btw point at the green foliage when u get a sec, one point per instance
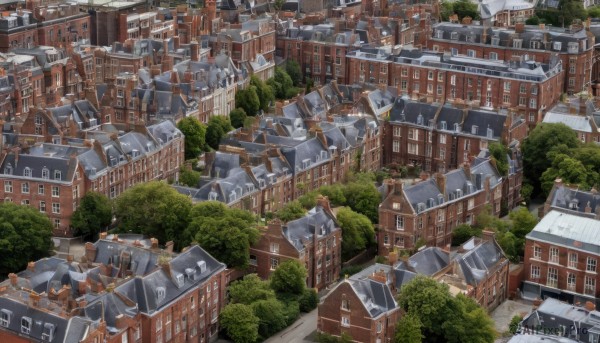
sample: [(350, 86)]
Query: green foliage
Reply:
[(154, 209), (282, 85), (499, 152), (335, 194), (465, 8), (323, 337), (513, 327), (364, 198), (249, 290), (291, 311), (239, 323), (264, 92), (510, 245), (511, 234), (526, 191), (277, 4), (408, 330), (190, 178), (25, 235), (532, 20), (308, 200), (291, 211), (292, 68), (271, 315), (357, 232), (309, 85), (571, 10), (380, 259), (195, 136), (93, 214), (570, 170), (308, 300), (225, 233), (350, 270), (463, 233), (543, 141), (218, 126), (248, 100), (522, 222), (594, 12), (443, 317), (289, 277), (238, 117)]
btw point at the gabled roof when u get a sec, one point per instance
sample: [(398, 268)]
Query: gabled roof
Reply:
[(574, 201), (316, 222), (479, 260)]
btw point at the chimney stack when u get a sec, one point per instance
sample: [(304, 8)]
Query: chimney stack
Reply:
[(440, 179), (488, 235), (520, 27), (392, 258), (31, 266), (169, 246), (13, 279), (379, 276), (103, 235), (154, 243), (323, 201), (588, 208)]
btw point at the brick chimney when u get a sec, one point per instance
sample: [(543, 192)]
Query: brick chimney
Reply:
[(169, 246), (424, 176), (588, 208), (590, 306), (103, 235), (34, 299), (440, 179), (323, 201), (31, 266), (467, 169), (175, 42), (70, 259), (90, 252), (195, 50), (488, 235), (154, 243), (520, 27), (392, 258), (379, 276), (115, 238), (398, 186), (14, 279)]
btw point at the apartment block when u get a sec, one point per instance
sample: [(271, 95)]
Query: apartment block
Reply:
[(314, 240)]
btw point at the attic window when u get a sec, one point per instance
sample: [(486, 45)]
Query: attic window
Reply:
[(8, 169), (5, 316), (48, 333), (440, 199), (57, 175), (574, 204), (420, 119), (459, 193), (474, 129), (323, 154), (27, 172), (420, 207), (26, 325), (557, 46), (490, 133), (396, 206), (456, 127), (160, 294), (454, 36), (443, 125), (180, 280)]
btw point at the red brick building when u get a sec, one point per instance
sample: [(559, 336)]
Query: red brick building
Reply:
[(529, 88), (561, 258), (314, 240), (429, 210), (245, 41), (574, 46)]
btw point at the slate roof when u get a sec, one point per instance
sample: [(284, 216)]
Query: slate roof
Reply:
[(53, 159), (141, 260), (567, 230), (316, 221), (479, 261), (187, 270), (375, 296), (574, 201), (305, 155), (575, 122)]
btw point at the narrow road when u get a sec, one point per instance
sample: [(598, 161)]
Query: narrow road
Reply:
[(297, 332)]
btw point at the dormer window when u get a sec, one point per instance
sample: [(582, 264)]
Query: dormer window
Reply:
[(5, 317), (57, 175), (323, 154), (27, 172), (440, 199), (26, 325), (456, 127), (420, 119), (420, 207), (474, 129), (430, 203), (557, 46), (180, 280), (48, 333), (517, 43), (160, 294), (490, 133), (443, 125), (454, 36), (8, 170), (574, 204), (459, 193), (45, 173), (495, 41)]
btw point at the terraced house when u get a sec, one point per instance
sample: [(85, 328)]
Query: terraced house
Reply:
[(429, 210)]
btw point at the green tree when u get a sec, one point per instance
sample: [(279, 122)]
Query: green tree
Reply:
[(291, 211), (500, 153), (526, 191), (238, 117), (264, 92), (188, 177), (465, 8), (357, 232), (463, 233), (471, 323), (308, 200), (282, 84), (309, 300), (568, 169), (289, 277), (594, 12), (335, 194), (271, 315), (292, 68), (239, 323), (408, 330), (154, 209), (522, 222), (533, 21), (249, 290), (225, 233), (510, 245), (309, 85), (515, 322), (248, 100), (572, 10), (364, 198), (545, 139), (93, 214), (218, 126), (195, 136), (25, 235)]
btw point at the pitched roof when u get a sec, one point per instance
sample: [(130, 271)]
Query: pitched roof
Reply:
[(572, 231)]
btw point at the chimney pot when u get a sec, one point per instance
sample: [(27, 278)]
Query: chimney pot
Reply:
[(13, 279), (31, 266)]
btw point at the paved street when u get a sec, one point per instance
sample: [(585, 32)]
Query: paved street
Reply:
[(297, 332)]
